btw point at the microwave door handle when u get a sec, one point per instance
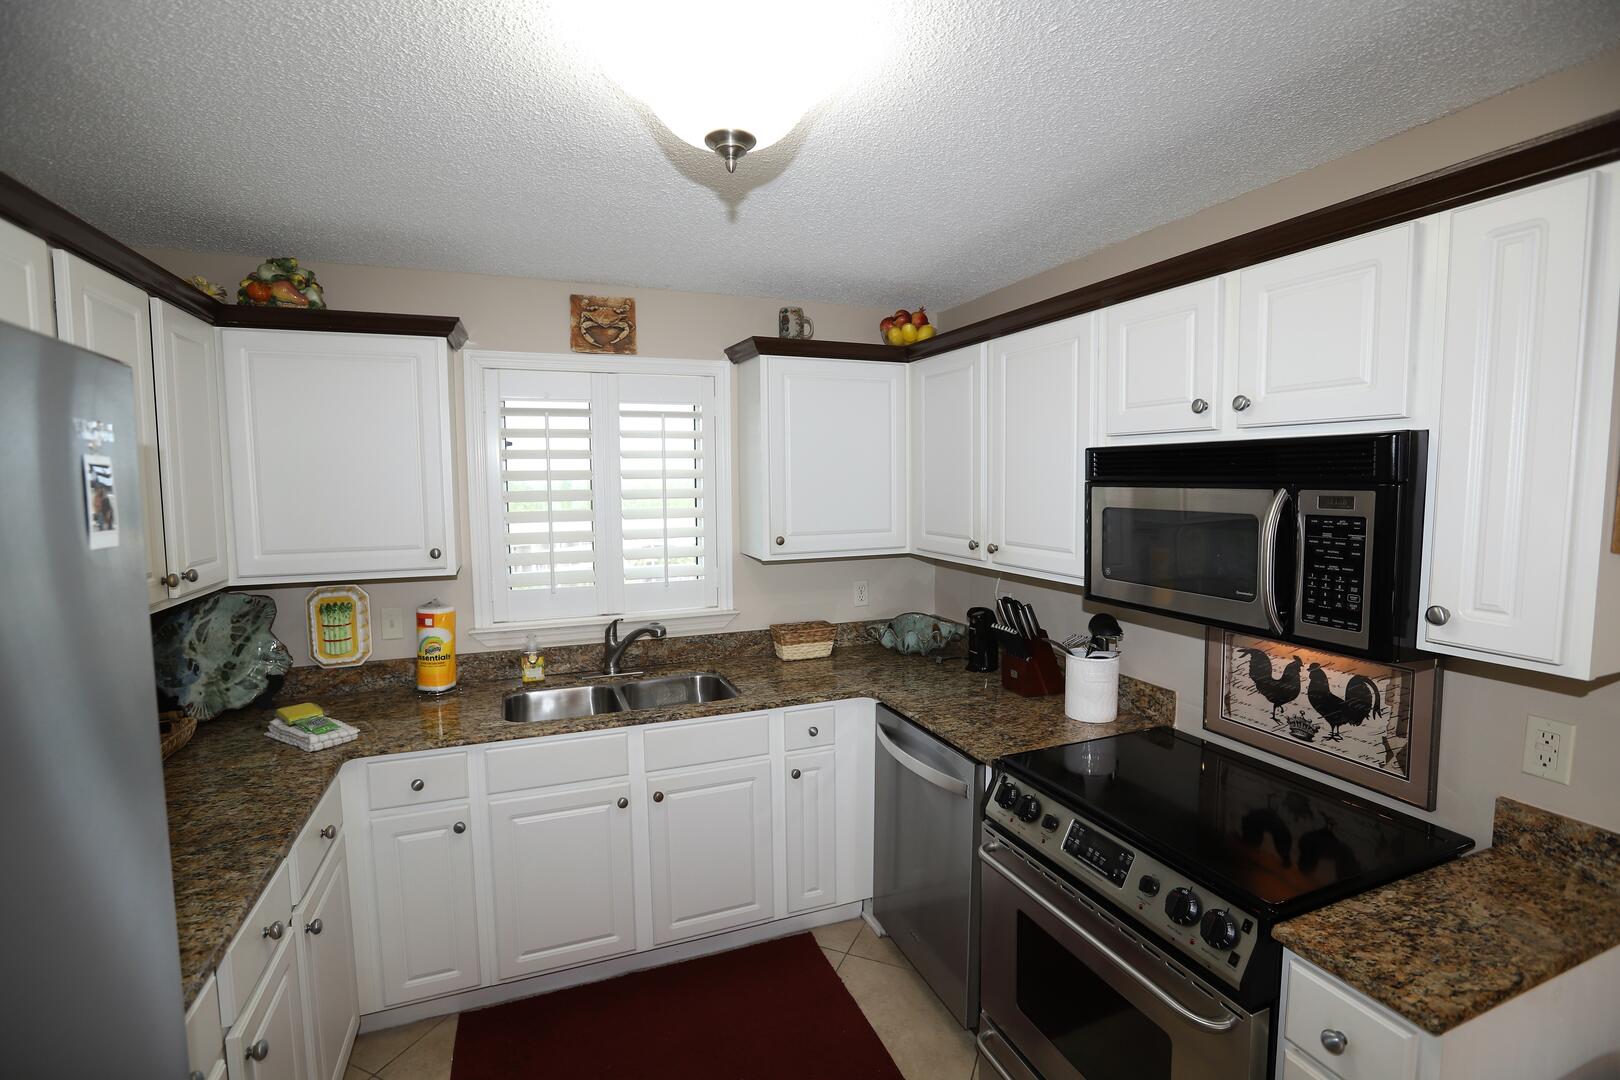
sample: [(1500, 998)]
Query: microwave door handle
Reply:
[(1269, 530)]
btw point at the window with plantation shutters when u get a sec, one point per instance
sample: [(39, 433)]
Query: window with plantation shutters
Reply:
[(600, 494)]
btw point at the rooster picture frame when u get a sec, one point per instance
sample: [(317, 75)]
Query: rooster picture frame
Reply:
[(1373, 724)]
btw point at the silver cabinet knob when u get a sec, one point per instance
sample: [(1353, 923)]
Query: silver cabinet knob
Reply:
[(1241, 402), (459, 827), (623, 802), (418, 784), (814, 732), (658, 796), (314, 926), (257, 1051), (780, 541), (273, 931), (434, 553), (190, 575), (795, 774), (1200, 406), (1437, 615), (993, 548), (329, 832), (973, 545), (196, 1074), (1334, 1042), (171, 580)]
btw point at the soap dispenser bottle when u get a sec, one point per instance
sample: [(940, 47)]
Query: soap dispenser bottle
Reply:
[(531, 663)]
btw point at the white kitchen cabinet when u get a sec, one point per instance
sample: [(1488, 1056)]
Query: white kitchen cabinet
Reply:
[(710, 838), (107, 315), (325, 935), (823, 457), (25, 280), (1327, 334), (191, 467), (1160, 361), (1042, 419), (811, 817), (1519, 570), (948, 443), (205, 1035), (268, 1040), (563, 874), (426, 903), (339, 456)]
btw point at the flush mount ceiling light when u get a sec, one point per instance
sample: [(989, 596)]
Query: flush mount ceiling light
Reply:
[(731, 76)]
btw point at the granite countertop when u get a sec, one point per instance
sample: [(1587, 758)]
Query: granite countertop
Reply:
[(1447, 945), (237, 799)]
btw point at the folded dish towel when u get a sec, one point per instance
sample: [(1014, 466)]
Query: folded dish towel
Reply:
[(294, 735)]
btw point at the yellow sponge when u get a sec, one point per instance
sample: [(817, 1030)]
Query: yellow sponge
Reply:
[(292, 714)]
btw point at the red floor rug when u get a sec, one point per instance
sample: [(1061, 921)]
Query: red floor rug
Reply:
[(775, 1010)]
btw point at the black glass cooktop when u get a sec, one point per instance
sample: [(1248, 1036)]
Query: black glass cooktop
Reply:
[(1258, 834)]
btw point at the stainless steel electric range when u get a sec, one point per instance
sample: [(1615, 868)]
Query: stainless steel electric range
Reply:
[(1129, 889)]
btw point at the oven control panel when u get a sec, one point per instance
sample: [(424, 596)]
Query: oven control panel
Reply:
[(1205, 928)]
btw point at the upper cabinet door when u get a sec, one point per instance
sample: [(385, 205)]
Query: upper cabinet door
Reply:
[(1327, 335), (947, 454), (190, 449), (107, 315), (25, 280), (339, 455), (1509, 443), (1160, 361), (837, 448), (1041, 422)]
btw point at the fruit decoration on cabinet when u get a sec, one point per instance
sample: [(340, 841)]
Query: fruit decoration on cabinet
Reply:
[(906, 327)]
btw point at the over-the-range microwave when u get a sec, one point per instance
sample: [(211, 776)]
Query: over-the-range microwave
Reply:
[(1315, 541)]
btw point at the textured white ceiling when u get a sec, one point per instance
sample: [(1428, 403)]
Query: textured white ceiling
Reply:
[(998, 139)]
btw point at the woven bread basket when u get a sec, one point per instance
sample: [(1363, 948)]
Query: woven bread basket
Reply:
[(803, 640), (175, 729)]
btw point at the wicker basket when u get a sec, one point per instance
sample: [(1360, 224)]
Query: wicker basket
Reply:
[(803, 640), (176, 729)]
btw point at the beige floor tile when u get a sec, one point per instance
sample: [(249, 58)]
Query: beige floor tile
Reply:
[(919, 1034), (868, 945), (352, 1073), (833, 956), (429, 1059), (838, 936), (374, 1050)]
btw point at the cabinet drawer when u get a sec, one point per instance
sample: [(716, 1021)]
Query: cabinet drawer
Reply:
[(262, 931), (320, 833), (1297, 1065), (701, 742), (416, 780), (816, 725), (548, 762), (205, 1034), (1376, 1047)]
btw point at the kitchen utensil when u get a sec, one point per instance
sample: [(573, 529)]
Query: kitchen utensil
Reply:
[(1034, 621)]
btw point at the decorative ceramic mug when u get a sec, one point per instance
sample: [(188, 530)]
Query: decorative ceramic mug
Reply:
[(792, 322)]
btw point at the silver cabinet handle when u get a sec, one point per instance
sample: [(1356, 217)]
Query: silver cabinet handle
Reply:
[(314, 926), (780, 541), (973, 545), (1200, 406), (1437, 615), (273, 931), (257, 1051), (329, 832), (190, 575), (434, 553), (795, 774), (942, 780), (993, 548), (623, 802), (658, 796), (1241, 402), (459, 827), (417, 784), (1334, 1042), (171, 580), (814, 732)]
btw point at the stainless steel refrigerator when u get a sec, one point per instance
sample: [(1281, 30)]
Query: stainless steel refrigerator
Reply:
[(91, 973)]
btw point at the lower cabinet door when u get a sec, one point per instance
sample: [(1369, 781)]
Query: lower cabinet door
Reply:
[(331, 998), (427, 918), (710, 832), (563, 875), (1296, 1065), (267, 1040), (811, 801)]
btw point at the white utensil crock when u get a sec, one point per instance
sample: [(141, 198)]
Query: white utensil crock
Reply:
[(1092, 688)]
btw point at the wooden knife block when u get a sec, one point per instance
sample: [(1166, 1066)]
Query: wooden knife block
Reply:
[(1038, 676)]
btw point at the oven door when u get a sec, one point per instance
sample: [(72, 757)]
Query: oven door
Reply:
[(1079, 996), (1201, 553)]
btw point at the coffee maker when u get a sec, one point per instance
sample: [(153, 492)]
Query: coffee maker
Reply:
[(982, 654)]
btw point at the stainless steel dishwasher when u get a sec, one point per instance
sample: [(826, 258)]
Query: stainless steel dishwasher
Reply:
[(926, 875)]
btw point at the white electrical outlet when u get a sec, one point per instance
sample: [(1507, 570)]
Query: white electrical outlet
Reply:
[(393, 623), (1549, 748), (862, 597)]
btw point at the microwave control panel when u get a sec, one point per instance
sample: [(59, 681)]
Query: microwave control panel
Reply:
[(1335, 554)]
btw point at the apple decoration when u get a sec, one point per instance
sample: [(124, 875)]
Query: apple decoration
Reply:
[(906, 327)]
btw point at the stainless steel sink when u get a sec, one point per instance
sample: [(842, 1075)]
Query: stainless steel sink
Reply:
[(571, 702), (676, 690)]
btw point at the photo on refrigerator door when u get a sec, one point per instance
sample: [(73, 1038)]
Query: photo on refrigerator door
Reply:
[(100, 501)]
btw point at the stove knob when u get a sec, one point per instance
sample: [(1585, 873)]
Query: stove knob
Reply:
[(1183, 906), (1149, 885), (1007, 794), (1219, 929), (1029, 808)]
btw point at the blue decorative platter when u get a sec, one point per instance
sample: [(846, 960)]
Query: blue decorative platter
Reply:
[(916, 633), (219, 653)]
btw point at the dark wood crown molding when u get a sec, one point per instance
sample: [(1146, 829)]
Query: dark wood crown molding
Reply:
[(58, 227), (750, 347)]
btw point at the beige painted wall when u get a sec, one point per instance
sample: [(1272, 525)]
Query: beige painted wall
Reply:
[(532, 315), (1484, 707)]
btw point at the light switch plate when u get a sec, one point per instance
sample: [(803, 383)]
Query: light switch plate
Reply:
[(1549, 748), (393, 624)]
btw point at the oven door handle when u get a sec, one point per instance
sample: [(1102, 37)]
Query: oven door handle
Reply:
[(1269, 531), (1225, 1024), (941, 780)]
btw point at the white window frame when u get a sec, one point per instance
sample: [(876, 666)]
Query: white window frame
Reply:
[(482, 457)]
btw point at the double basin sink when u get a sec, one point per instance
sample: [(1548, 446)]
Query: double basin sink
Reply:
[(572, 702)]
